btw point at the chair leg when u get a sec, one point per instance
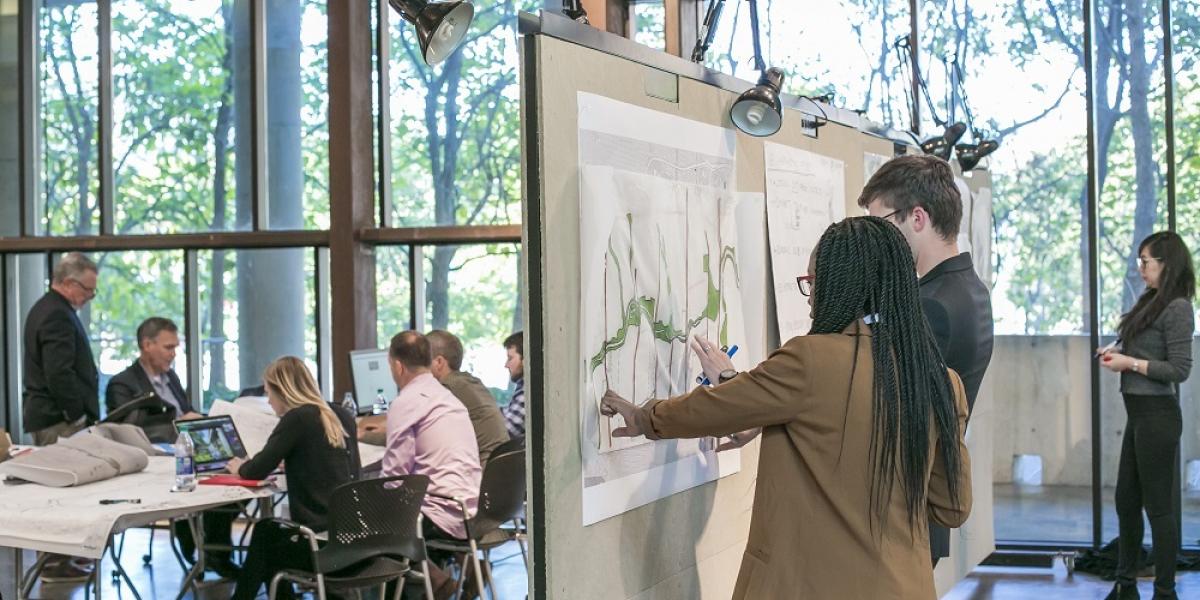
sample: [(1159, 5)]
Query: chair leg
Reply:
[(428, 585), (320, 587), (274, 586), (399, 589), (478, 571), (487, 573)]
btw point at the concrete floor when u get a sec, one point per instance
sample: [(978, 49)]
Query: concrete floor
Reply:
[(1059, 513), (1006, 583), (160, 580)]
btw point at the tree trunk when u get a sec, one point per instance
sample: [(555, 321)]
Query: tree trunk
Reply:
[(442, 104), (1145, 212), (216, 296)]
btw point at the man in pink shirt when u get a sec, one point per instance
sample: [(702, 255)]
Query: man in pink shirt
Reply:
[(429, 432)]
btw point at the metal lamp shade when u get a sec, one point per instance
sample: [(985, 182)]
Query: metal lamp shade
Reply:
[(441, 26), (969, 155), (759, 111)]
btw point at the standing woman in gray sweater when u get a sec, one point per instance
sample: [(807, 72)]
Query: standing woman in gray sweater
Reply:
[(1156, 357)]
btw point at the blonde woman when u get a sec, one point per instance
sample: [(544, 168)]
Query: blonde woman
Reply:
[(315, 439)]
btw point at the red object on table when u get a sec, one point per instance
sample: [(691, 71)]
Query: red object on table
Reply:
[(235, 480)]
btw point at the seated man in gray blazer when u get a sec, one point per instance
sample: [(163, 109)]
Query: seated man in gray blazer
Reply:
[(158, 338)]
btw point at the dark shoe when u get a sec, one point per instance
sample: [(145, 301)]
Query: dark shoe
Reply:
[(1165, 596), (65, 572), (1123, 592), (222, 566)]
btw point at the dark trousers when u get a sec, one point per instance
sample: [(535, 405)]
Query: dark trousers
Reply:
[(1147, 479), (273, 548)]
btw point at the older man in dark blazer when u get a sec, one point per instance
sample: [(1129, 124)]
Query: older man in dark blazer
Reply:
[(918, 194), (61, 384), (158, 339)]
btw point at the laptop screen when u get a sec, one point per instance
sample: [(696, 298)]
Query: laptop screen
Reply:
[(215, 441)]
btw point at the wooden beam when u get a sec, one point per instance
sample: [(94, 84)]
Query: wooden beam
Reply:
[(351, 186), (177, 241), (441, 236), (683, 26)]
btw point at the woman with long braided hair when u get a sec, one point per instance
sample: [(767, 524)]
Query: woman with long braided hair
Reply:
[(862, 431)]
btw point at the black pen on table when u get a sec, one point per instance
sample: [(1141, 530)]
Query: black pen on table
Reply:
[(122, 501)]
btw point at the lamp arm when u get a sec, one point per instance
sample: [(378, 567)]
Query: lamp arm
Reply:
[(759, 64), (708, 30)]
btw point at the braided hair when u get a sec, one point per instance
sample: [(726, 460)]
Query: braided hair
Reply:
[(865, 268)]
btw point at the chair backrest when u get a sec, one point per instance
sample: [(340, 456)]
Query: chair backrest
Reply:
[(372, 518), (517, 443), (501, 492)]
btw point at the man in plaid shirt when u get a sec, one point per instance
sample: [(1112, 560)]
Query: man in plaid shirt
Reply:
[(514, 413)]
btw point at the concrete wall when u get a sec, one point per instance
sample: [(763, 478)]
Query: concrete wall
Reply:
[(1043, 401)]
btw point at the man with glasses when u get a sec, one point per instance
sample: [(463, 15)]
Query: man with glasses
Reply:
[(918, 195), (61, 385)]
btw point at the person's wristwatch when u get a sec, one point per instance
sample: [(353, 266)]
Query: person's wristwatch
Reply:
[(726, 375)]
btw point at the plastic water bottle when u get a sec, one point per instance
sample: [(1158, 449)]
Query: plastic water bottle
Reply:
[(349, 404), (380, 406), (185, 466)]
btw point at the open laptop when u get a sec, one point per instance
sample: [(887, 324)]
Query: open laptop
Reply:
[(372, 376), (215, 440)]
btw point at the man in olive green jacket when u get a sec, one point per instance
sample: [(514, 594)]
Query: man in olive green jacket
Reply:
[(447, 351)]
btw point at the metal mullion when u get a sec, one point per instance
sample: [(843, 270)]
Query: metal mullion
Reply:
[(104, 129), (1169, 79), (191, 325), (260, 213), (1093, 259), (914, 60), (416, 282), (384, 124), (28, 155), (323, 316)]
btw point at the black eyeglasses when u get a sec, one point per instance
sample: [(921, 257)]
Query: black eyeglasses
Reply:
[(805, 283), (892, 214)]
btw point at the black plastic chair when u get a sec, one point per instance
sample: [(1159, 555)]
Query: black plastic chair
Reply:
[(517, 443), (501, 499), (374, 537)]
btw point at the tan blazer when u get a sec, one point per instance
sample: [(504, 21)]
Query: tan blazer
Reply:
[(811, 532)]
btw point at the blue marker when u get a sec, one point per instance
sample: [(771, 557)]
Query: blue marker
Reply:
[(703, 379)]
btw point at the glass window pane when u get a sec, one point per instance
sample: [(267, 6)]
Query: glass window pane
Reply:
[(465, 169), (649, 22), (69, 72), (1042, 453), (1185, 25), (174, 115), (10, 114), (842, 48), (255, 306), (393, 292), (297, 114), (132, 287), (474, 293), (1131, 146)]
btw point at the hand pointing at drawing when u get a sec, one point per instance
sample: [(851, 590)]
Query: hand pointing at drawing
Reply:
[(636, 421), (712, 359)]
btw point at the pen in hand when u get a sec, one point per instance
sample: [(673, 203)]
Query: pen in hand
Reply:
[(702, 379)]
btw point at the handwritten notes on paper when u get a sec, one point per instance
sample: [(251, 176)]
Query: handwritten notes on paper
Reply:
[(805, 193)]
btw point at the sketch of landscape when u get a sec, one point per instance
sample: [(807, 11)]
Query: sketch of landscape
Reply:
[(658, 264)]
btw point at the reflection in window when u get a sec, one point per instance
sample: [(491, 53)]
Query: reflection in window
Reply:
[(173, 110), (69, 72), (255, 306), (455, 127)]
